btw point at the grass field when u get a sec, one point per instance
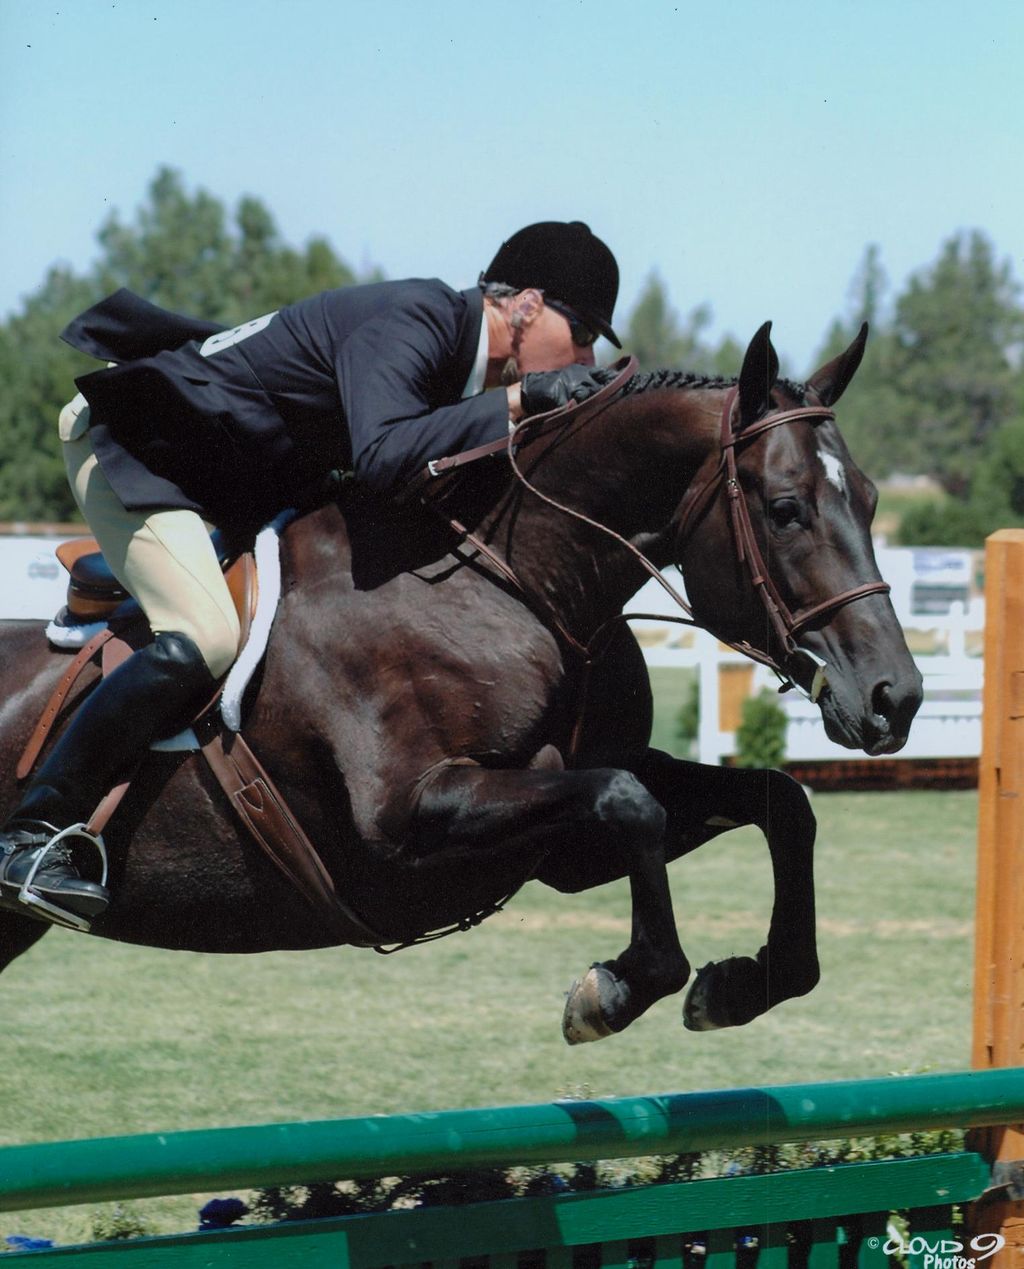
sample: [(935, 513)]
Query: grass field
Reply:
[(102, 1038), (671, 688)]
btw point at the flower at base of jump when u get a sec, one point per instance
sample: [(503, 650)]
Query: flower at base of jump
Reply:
[(219, 1213)]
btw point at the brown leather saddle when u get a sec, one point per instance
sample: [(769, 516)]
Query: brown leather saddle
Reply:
[(95, 595)]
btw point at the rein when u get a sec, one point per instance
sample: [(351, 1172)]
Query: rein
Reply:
[(786, 624), (625, 369)]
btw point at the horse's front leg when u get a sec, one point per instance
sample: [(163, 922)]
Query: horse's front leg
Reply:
[(470, 819), (700, 803)]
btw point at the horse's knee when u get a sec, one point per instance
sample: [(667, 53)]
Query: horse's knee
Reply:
[(789, 804), (613, 814), (622, 802), (775, 803)]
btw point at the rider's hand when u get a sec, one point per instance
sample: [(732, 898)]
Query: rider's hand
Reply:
[(551, 389)]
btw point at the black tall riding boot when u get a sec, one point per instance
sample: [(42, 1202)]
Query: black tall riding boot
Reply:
[(150, 695)]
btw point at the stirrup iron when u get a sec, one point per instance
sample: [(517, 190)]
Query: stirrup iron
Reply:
[(55, 915)]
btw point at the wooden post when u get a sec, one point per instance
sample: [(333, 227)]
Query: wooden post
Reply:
[(999, 923)]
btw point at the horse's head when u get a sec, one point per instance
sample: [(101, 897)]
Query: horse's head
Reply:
[(784, 504)]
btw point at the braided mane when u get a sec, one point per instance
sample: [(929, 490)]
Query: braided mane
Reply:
[(652, 380)]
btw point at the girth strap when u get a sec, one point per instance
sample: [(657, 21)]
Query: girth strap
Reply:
[(263, 810), (250, 790), (56, 702)]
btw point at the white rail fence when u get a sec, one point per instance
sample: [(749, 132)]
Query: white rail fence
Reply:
[(32, 582), (947, 649)]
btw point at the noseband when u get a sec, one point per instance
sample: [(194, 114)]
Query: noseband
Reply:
[(786, 624)]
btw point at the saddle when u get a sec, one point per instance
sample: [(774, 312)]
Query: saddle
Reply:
[(95, 594), (111, 626)]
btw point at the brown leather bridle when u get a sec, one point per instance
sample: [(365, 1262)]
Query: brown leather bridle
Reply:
[(787, 625)]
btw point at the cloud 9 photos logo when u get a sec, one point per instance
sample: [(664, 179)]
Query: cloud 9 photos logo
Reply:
[(945, 1253)]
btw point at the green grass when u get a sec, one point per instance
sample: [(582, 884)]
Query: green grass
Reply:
[(103, 1038), (671, 689)]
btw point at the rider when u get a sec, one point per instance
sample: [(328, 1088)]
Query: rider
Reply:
[(197, 422)]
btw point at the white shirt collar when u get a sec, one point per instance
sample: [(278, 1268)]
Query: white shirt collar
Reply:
[(475, 382)]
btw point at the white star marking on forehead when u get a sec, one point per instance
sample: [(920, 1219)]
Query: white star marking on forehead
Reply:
[(834, 471)]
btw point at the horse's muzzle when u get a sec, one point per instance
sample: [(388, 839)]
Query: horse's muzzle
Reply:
[(881, 725)]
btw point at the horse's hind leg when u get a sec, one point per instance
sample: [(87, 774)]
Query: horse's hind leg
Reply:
[(17, 935), (474, 825)]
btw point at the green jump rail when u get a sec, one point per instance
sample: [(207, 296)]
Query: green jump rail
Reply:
[(822, 1200), (68, 1172)]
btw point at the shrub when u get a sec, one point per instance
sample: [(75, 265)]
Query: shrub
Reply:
[(761, 735), (688, 719), (118, 1225)]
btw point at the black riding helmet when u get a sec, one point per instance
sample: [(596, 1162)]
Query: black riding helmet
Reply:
[(568, 263)]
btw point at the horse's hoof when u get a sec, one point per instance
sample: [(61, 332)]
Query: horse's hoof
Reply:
[(583, 1019), (727, 993), (697, 1005)]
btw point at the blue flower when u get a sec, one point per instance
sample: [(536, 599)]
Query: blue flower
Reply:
[(219, 1213)]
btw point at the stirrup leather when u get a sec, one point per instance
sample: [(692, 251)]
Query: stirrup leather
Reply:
[(32, 899)]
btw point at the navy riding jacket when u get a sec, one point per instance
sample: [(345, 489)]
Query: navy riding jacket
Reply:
[(238, 424)]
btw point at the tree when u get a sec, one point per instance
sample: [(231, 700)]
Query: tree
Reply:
[(180, 250), (940, 379), (998, 482), (957, 332), (871, 403), (37, 372), (950, 523), (654, 334), (996, 498), (660, 341)]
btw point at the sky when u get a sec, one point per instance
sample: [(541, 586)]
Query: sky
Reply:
[(746, 151)]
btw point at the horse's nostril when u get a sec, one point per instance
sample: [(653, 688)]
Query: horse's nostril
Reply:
[(897, 702), (881, 699)]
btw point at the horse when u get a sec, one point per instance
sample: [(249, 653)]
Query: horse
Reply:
[(452, 706)]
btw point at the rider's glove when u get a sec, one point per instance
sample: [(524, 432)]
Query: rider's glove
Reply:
[(551, 389)]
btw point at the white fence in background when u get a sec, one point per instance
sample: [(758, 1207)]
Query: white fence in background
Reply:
[(33, 585), (948, 724)]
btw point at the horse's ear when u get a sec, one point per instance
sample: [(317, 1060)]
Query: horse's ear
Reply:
[(831, 381), (760, 370)]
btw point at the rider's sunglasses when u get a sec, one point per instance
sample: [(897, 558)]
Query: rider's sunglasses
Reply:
[(580, 333)]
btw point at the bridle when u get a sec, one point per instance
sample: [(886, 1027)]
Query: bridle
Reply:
[(786, 624)]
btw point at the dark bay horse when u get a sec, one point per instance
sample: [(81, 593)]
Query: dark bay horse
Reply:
[(431, 726)]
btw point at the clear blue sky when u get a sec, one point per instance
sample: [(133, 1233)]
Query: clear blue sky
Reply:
[(748, 150)]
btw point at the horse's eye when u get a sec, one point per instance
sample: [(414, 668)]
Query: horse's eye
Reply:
[(784, 511)]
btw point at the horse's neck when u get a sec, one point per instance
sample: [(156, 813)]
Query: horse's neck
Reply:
[(627, 469)]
